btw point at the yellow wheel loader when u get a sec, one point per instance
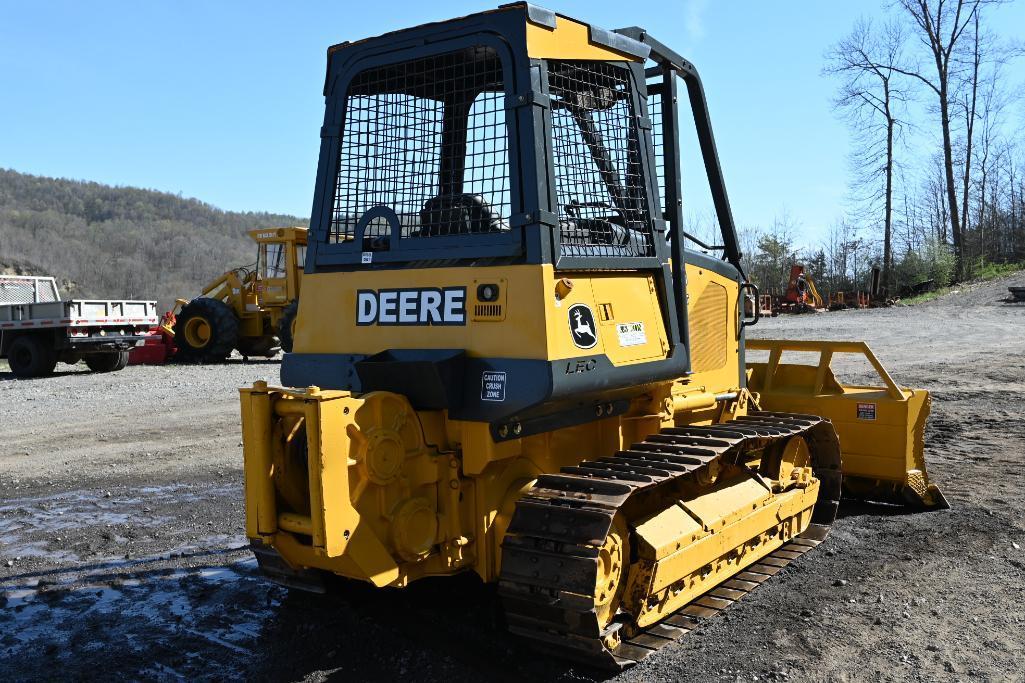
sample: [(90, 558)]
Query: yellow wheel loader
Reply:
[(249, 309), (508, 361)]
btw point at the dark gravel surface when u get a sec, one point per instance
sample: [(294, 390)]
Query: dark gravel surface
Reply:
[(121, 542)]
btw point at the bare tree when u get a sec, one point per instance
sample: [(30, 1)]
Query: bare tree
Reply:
[(942, 25), (936, 202), (985, 98), (971, 102), (871, 95), (990, 156)]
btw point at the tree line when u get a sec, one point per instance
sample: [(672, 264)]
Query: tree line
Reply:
[(121, 242), (937, 188)]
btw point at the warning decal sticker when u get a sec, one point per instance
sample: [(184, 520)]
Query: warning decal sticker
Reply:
[(492, 386), (866, 411), (631, 334)]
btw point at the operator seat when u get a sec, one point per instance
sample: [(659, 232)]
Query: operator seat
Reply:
[(457, 214)]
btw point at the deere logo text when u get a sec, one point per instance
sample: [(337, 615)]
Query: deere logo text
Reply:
[(428, 306)]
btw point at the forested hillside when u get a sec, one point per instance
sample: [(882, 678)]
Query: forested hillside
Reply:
[(121, 242)]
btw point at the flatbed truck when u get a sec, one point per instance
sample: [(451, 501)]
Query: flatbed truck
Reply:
[(38, 329)]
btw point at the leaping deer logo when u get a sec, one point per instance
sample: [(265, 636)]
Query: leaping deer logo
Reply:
[(582, 326)]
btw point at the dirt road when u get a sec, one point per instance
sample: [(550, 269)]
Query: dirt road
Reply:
[(121, 541)]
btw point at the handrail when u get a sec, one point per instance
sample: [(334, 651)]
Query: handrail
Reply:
[(825, 349)]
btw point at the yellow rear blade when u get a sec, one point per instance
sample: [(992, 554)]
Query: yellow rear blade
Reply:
[(881, 427)]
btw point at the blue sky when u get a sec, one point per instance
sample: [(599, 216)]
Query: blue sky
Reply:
[(222, 100)]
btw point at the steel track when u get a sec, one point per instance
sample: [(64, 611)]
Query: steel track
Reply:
[(549, 557)]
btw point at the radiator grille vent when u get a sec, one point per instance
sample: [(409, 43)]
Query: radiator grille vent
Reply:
[(487, 312), (708, 328)]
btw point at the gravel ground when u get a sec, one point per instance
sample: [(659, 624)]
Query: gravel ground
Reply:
[(122, 546)]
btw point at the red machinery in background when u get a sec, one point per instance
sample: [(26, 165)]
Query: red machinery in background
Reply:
[(801, 296), (158, 346)]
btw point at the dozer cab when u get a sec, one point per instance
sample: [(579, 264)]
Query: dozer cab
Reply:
[(507, 360), (252, 309)]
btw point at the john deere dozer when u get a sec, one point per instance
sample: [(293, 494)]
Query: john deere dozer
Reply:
[(511, 364)]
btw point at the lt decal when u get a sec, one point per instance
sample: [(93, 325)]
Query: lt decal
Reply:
[(581, 366), (429, 306)]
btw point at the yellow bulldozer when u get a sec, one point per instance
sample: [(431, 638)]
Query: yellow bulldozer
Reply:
[(252, 309), (508, 362)]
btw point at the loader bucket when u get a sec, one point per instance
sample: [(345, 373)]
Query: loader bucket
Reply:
[(881, 427)]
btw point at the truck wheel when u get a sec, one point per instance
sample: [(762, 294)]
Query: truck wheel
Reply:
[(206, 330), (70, 357), (31, 356), (286, 326), (107, 362)]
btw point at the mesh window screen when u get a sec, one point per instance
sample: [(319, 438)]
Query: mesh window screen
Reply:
[(603, 208), (26, 290), (427, 139)]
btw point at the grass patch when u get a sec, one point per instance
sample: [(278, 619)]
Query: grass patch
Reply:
[(928, 296), (991, 271), (982, 273)]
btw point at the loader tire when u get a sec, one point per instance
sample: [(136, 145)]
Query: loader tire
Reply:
[(206, 330), (107, 362), (31, 356), (286, 326), (266, 346)]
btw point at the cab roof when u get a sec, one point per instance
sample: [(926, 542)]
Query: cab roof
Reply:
[(295, 234), (540, 32)]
